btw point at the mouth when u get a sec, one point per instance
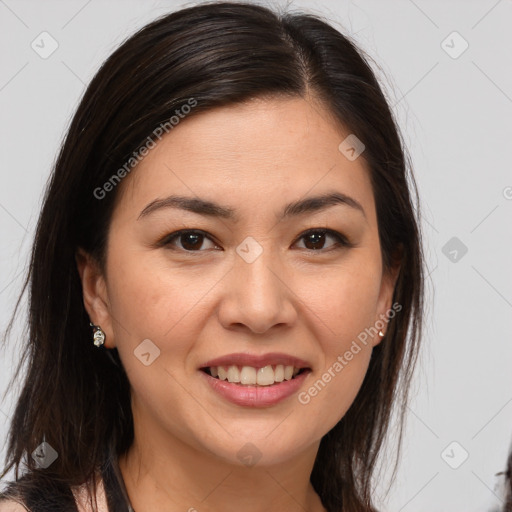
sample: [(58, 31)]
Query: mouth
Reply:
[(265, 376), (256, 380)]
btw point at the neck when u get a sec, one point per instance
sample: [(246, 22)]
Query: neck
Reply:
[(161, 472)]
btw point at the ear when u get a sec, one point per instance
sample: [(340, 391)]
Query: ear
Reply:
[(95, 294), (384, 303)]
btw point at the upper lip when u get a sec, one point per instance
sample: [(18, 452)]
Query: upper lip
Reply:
[(257, 361)]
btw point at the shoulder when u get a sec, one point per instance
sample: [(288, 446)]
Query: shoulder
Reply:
[(40, 494), (81, 496), (11, 499), (11, 505), (36, 493)]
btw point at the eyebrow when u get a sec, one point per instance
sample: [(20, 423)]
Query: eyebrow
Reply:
[(212, 209)]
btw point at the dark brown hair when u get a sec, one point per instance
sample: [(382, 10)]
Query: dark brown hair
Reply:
[(78, 397), (507, 504)]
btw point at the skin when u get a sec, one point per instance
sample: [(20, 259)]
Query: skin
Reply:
[(254, 158)]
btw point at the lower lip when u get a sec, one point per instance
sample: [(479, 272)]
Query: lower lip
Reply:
[(256, 396)]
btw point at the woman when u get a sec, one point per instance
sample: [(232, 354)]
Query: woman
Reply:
[(226, 283)]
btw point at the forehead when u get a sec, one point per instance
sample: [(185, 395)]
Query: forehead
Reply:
[(260, 152)]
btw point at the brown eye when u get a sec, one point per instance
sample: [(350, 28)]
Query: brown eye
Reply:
[(187, 240), (193, 240), (315, 239)]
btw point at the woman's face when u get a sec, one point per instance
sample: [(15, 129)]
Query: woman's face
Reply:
[(248, 282)]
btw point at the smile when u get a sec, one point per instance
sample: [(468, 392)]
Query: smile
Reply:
[(253, 376)]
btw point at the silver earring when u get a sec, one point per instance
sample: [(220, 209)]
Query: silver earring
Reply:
[(381, 334), (98, 335)]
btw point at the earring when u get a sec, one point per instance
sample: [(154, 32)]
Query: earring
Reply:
[(98, 335), (381, 334)]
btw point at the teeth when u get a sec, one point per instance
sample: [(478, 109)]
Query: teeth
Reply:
[(233, 374), (288, 372), (250, 376), (223, 374), (265, 376)]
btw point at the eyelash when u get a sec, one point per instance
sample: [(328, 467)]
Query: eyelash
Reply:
[(341, 240)]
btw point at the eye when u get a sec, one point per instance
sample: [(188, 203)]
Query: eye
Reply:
[(315, 239), (190, 240)]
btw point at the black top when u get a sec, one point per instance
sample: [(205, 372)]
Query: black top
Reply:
[(58, 497)]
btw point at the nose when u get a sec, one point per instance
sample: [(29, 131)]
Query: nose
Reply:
[(257, 296)]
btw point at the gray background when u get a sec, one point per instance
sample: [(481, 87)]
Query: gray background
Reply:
[(455, 114)]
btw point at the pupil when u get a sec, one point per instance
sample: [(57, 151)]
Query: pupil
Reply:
[(316, 238), (195, 238)]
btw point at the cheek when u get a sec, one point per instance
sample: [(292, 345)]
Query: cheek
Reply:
[(150, 297), (148, 302), (345, 301), (346, 309), (331, 393), (153, 314)]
